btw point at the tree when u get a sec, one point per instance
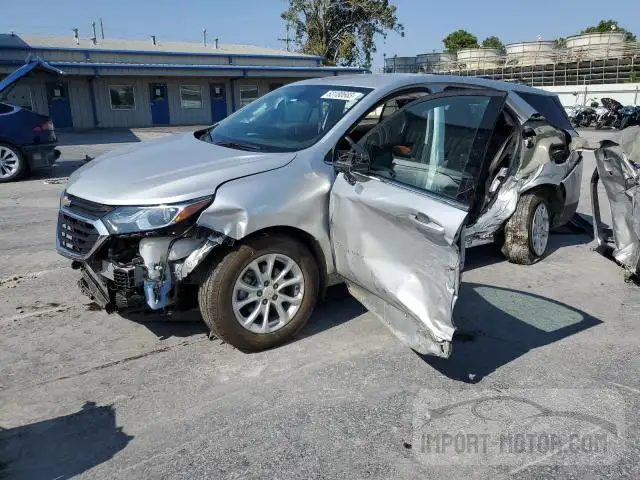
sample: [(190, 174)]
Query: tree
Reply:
[(458, 40), (606, 26), (494, 42), (343, 32)]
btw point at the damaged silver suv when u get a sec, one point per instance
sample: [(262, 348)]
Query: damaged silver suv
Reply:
[(380, 181)]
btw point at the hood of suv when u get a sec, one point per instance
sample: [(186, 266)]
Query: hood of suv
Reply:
[(169, 170)]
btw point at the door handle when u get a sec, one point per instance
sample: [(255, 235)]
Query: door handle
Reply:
[(424, 222)]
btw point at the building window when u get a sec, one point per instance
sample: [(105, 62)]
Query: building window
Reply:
[(122, 97), (19, 95), (248, 93), (191, 96)]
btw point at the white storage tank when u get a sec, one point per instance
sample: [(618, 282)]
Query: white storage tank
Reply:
[(591, 46), (436, 62), (539, 52), (479, 58)]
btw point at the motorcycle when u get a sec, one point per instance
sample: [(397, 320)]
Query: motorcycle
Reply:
[(611, 117), (583, 116), (630, 115)]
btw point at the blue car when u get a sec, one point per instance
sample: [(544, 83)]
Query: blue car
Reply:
[(27, 139)]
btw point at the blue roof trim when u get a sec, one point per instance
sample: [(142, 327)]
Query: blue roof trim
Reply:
[(155, 52), (234, 68)]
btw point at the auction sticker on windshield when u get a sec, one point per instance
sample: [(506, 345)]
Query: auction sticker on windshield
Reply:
[(342, 95)]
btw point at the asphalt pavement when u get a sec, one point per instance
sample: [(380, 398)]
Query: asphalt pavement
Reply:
[(549, 351)]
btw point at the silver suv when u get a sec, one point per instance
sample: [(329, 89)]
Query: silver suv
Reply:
[(380, 181)]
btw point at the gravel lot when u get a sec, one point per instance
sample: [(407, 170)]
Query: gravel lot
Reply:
[(85, 393)]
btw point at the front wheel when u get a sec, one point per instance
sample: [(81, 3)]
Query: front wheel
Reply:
[(526, 233), (261, 293)]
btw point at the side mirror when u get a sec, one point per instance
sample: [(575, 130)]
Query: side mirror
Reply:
[(355, 160)]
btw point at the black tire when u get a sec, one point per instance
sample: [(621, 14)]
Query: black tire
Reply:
[(518, 231), (216, 292), (21, 163)]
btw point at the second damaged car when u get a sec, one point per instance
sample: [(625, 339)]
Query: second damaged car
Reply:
[(379, 181)]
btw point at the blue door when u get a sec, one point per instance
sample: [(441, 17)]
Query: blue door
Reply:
[(59, 106), (159, 104), (218, 102)]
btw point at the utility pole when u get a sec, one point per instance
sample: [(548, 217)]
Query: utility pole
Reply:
[(287, 40), (101, 29)]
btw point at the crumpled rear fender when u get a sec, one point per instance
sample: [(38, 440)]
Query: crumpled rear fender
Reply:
[(535, 170)]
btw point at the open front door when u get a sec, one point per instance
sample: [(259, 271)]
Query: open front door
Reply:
[(396, 224)]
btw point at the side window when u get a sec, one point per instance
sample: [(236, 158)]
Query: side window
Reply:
[(431, 145), (382, 111), (389, 108)]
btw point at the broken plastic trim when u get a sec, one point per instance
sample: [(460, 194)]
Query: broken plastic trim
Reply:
[(196, 257)]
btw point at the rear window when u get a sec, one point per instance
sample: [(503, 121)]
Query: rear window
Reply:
[(4, 108), (550, 108)]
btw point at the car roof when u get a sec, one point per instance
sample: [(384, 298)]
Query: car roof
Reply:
[(399, 80)]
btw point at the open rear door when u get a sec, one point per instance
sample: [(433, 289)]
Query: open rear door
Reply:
[(396, 224)]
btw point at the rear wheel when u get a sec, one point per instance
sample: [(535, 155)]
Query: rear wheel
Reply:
[(12, 163), (526, 233), (261, 293)]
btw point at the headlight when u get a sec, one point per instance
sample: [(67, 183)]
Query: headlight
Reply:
[(139, 219)]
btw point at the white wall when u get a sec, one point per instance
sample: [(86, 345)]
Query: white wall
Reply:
[(625, 93)]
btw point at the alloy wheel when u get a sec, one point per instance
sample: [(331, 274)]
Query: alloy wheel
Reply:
[(268, 293), (540, 229), (8, 162)]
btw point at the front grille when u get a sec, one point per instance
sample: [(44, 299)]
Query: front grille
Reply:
[(76, 236), (87, 209)]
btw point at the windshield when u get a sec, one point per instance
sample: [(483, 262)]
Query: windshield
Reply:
[(288, 119)]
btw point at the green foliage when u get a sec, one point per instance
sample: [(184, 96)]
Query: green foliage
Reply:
[(458, 40), (634, 77), (343, 32), (494, 42), (606, 26)]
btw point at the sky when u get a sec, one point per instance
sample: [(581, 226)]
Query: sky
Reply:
[(258, 22)]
